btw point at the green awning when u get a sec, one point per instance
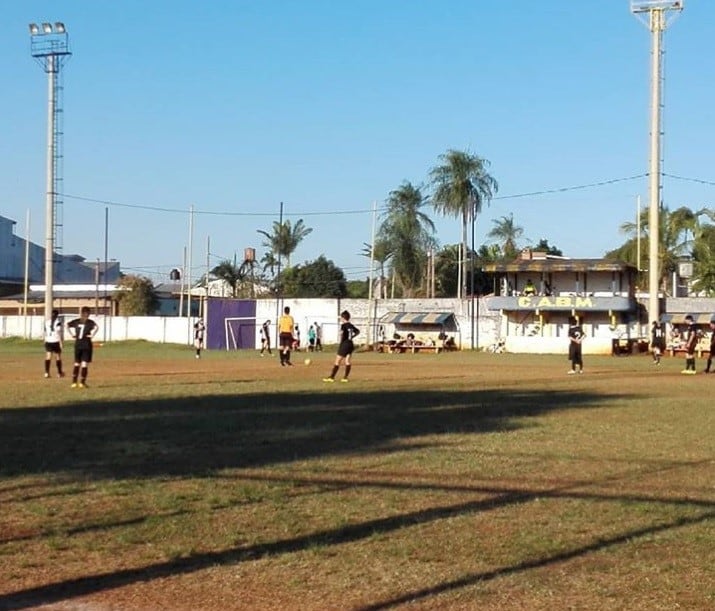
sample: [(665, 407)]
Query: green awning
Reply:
[(417, 318)]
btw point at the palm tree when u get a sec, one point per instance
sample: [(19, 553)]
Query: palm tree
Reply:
[(284, 239), (507, 235), (382, 254), (678, 230), (229, 273), (409, 233), (461, 185)]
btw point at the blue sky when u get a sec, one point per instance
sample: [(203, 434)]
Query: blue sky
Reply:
[(235, 105)]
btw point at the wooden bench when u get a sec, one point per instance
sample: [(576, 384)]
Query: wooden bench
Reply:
[(700, 350)]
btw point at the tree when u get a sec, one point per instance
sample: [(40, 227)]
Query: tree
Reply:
[(383, 253), (408, 231), (283, 240), (319, 278), (678, 229), (507, 235), (543, 246), (230, 274), (704, 260), (460, 187), (357, 289), (136, 296)]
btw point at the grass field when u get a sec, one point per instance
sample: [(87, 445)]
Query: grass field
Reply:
[(452, 481)]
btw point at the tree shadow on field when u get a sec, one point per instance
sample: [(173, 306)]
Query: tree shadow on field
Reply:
[(198, 435)]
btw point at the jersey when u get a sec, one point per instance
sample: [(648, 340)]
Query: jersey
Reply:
[(348, 331), (691, 338), (657, 336), (576, 333), (53, 331), (286, 324), (265, 331), (82, 331), (199, 329)]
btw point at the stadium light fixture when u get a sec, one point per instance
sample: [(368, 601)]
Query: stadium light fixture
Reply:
[(60, 27), (644, 6), (34, 29), (46, 28)]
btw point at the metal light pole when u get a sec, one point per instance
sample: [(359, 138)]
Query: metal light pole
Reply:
[(657, 22), (49, 45)]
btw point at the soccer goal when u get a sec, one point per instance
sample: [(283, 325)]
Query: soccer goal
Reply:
[(240, 332)]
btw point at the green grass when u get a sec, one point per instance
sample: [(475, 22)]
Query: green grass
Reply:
[(429, 481)]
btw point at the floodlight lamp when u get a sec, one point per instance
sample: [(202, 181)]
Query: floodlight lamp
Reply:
[(643, 6), (47, 28), (34, 29), (60, 28)]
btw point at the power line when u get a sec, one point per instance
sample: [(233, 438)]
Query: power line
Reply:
[(573, 188), (155, 208), (686, 178)]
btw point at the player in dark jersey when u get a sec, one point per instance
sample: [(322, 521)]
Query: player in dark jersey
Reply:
[(657, 341), (575, 346), (82, 329), (691, 341), (345, 349), (199, 330), (712, 346), (266, 337), (53, 343)]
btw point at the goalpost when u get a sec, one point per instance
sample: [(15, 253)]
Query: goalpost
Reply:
[(232, 329)]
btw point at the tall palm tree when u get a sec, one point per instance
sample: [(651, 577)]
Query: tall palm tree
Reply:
[(507, 234), (284, 239), (409, 233), (461, 185)]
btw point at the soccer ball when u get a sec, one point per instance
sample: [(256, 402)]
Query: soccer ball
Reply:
[(307, 361)]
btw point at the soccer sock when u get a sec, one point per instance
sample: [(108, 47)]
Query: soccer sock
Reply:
[(75, 372), (690, 364), (59, 366), (710, 362), (347, 371), (288, 356), (84, 374), (334, 371), (47, 366)]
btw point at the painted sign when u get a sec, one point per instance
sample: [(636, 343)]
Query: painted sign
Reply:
[(561, 302)]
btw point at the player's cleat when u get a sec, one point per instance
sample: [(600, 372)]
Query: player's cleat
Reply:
[(82, 385), (330, 380), (198, 356), (74, 385), (344, 380), (61, 375), (580, 370), (571, 371), (47, 375), (688, 372)]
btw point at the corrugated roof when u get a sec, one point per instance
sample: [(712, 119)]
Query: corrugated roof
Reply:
[(678, 318), (560, 265)]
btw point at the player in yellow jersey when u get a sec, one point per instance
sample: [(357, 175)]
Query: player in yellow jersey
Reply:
[(286, 324)]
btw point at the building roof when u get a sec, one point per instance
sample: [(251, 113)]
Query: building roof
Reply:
[(417, 318), (560, 265)]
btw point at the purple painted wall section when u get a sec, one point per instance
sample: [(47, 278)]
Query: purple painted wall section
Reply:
[(244, 331)]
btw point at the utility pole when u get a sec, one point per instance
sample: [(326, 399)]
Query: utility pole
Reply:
[(49, 45), (657, 22)]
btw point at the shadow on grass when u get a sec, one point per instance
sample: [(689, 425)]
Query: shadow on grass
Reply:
[(194, 436)]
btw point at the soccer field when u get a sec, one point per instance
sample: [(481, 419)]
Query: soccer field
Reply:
[(458, 481)]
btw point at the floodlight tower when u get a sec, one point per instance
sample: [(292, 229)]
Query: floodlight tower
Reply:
[(654, 14), (49, 45)]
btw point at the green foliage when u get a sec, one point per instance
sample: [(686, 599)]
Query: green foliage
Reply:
[(136, 296), (229, 273), (507, 234), (282, 241), (358, 289), (544, 246), (319, 278), (409, 233)]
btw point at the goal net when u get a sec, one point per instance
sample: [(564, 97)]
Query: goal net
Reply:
[(240, 332)]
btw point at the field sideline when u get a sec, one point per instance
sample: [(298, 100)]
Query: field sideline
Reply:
[(451, 481)]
